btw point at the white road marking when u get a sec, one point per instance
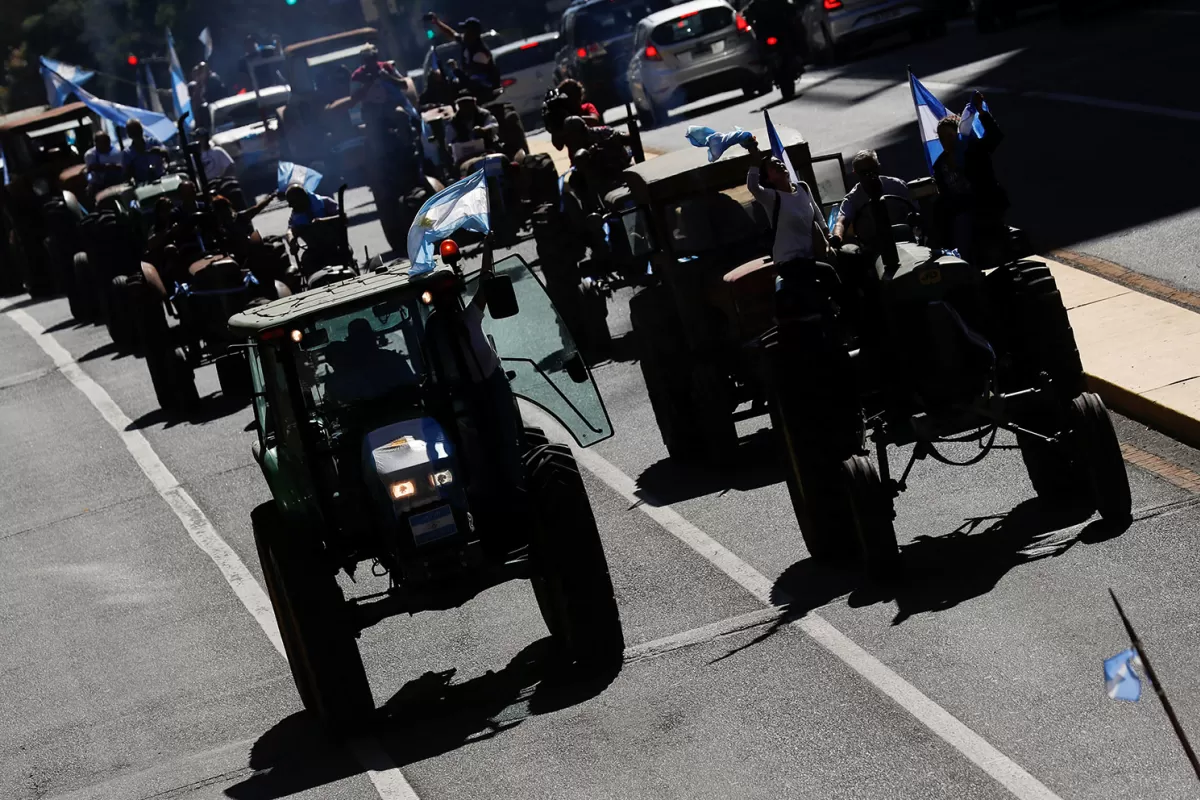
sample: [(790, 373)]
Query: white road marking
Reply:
[(1001, 768), (387, 778)]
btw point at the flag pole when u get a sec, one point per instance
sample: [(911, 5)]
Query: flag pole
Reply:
[(1158, 689)]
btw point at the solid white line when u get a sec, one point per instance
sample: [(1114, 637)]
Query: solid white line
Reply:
[(974, 747), (389, 782)]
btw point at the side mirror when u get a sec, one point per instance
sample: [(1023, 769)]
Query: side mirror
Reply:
[(576, 369), (501, 299)]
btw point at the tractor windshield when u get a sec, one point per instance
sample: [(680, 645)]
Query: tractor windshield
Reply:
[(540, 355), (362, 355), (713, 221)]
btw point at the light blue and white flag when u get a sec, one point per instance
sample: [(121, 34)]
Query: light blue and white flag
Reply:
[(157, 126), (181, 97), (971, 124), (717, 143), (930, 112), (289, 173), (56, 94), (206, 40), (777, 147), (460, 206), (1121, 682), (152, 91)]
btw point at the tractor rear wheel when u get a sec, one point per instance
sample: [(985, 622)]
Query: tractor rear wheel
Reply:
[(121, 320), (871, 506), (1037, 329), (233, 374), (81, 300), (571, 580), (316, 629), (1099, 454)]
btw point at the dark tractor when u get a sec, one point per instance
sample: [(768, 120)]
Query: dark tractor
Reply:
[(383, 442), (589, 241), (902, 344)]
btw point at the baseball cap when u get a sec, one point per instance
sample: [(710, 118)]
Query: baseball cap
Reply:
[(470, 21)]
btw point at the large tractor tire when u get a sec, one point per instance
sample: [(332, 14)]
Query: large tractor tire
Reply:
[(82, 298), (173, 378), (1035, 328), (233, 373), (1098, 454), (871, 505), (571, 580), (1049, 466), (123, 302), (314, 623)]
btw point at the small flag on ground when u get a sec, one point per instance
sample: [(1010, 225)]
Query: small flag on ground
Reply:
[(206, 40), (777, 147), (1119, 678), (717, 143), (181, 96), (289, 173), (56, 94), (460, 206)]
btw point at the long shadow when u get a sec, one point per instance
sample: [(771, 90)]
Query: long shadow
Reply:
[(428, 717), (210, 408), (755, 464), (66, 325), (107, 349)]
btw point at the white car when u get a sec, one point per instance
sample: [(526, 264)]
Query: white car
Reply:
[(692, 51), (527, 71), (245, 125)]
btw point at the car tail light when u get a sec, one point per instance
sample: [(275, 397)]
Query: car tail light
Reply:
[(833, 5), (688, 14), (652, 53), (528, 45), (593, 50), (741, 23), (772, 41), (507, 82), (581, 52)]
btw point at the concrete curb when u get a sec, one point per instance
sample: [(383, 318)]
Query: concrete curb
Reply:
[(1154, 415)]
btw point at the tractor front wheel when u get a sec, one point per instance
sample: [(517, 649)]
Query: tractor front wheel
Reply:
[(872, 509), (1099, 453)]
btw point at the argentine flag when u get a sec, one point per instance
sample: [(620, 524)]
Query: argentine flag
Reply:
[(717, 143), (289, 173), (460, 206), (157, 126), (56, 94), (777, 147), (180, 96), (930, 112), (1119, 678)]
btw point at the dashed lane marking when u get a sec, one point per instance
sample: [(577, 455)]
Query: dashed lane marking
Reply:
[(1008, 773), (389, 782)]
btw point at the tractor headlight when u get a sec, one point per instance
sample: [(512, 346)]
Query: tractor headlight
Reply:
[(441, 478), (403, 489)]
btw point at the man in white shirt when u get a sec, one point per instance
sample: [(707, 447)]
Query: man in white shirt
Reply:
[(865, 165), (215, 161), (105, 166)]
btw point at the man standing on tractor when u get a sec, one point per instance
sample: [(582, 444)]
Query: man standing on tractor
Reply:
[(480, 75), (971, 201), (865, 166), (795, 218), (392, 133)]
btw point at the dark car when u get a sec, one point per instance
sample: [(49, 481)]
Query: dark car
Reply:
[(596, 41)]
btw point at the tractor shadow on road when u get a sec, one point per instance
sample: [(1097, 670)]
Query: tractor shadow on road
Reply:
[(429, 716), (755, 464), (210, 408)]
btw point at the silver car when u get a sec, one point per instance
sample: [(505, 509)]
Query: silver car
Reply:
[(832, 28), (691, 51)]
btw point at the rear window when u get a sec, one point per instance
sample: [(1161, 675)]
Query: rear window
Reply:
[(528, 55), (692, 26), (604, 21)]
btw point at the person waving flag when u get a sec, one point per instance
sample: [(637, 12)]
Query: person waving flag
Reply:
[(930, 112), (777, 147)]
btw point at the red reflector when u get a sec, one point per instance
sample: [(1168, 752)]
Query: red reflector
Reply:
[(448, 248), (833, 5), (652, 53), (241, 91), (772, 41), (742, 25), (688, 14), (274, 333), (528, 45), (581, 52), (507, 82)]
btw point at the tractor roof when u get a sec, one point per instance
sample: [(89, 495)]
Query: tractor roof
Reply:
[(31, 121), (319, 302), (688, 170), (314, 44)]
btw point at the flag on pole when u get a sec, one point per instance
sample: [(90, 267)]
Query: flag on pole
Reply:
[(460, 206), (777, 147), (289, 173), (156, 126), (717, 143), (1119, 678), (141, 94), (181, 96), (206, 40), (75, 75), (152, 90), (930, 112), (971, 125)]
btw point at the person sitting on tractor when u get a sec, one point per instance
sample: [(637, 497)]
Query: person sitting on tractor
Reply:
[(105, 166), (865, 165), (308, 210), (143, 162), (598, 153), (363, 368), (215, 160), (480, 75), (439, 91), (579, 106), (471, 134), (971, 201), (795, 217), (237, 224)]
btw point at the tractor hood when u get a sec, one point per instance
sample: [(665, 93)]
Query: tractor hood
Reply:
[(409, 464)]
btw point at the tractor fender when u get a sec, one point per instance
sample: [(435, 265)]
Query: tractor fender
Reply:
[(282, 290), (72, 203), (752, 293), (153, 279)]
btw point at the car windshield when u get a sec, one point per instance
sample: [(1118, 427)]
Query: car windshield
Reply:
[(362, 355), (692, 25), (235, 116), (712, 221), (603, 22)]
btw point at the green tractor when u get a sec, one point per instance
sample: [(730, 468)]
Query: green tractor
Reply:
[(384, 438)]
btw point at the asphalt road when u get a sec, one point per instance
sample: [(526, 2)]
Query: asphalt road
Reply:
[(132, 668)]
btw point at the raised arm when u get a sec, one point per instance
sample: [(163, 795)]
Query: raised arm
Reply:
[(446, 30)]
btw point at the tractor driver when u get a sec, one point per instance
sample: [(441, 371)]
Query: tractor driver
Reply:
[(471, 133), (143, 162), (364, 369), (866, 168), (308, 211)]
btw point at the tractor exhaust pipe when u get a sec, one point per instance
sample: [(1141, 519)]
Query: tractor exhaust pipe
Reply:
[(635, 135)]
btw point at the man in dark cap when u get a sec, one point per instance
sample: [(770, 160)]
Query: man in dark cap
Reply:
[(480, 73)]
